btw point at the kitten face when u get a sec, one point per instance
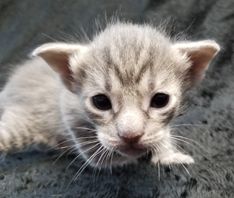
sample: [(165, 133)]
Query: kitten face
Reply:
[(130, 81), (129, 73)]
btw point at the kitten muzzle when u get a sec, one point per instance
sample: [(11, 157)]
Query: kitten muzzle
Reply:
[(132, 151)]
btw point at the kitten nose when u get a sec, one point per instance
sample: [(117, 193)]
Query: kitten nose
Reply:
[(131, 138)]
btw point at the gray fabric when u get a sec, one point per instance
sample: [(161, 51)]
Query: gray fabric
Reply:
[(209, 120)]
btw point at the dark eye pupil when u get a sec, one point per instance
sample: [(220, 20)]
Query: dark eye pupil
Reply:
[(101, 102), (159, 100)]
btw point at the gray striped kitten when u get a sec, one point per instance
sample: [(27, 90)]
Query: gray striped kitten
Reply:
[(109, 101)]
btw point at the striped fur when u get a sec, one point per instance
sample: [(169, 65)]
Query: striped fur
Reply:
[(129, 64)]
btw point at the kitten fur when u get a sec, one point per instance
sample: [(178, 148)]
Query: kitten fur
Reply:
[(50, 101)]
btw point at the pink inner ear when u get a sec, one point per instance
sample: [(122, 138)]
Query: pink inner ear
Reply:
[(58, 56), (59, 62), (200, 62), (200, 54)]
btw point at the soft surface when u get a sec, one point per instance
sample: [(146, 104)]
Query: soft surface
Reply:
[(209, 121)]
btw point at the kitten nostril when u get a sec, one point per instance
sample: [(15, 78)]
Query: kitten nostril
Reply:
[(131, 138)]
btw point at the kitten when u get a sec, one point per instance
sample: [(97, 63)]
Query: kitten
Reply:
[(110, 100)]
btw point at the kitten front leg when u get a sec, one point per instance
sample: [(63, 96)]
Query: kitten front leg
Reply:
[(172, 158), (169, 155)]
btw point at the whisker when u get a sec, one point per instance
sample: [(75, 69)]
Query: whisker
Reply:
[(93, 173), (87, 162), (106, 158), (158, 171), (80, 155), (186, 169), (85, 128), (71, 140), (85, 165), (170, 147), (80, 145), (86, 143), (182, 137), (75, 148), (89, 137), (61, 155), (175, 145), (159, 149), (51, 38), (196, 148), (101, 159), (111, 160), (58, 145), (155, 149), (179, 139), (190, 125)]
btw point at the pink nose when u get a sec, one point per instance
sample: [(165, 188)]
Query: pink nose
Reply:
[(130, 138)]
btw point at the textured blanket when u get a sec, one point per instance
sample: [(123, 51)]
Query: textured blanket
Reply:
[(207, 125)]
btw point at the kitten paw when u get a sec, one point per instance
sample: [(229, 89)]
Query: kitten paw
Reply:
[(177, 158), (173, 158)]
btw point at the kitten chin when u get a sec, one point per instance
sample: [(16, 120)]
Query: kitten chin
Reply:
[(109, 101)]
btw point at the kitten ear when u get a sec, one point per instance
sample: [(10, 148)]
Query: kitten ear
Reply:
[(57, 55), (200, 54)]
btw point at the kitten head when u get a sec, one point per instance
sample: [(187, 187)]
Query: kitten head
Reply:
[(130, 81)]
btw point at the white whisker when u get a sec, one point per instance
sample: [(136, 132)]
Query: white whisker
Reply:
[(191, 125), (86, 143), (88, 162), (169, 147), (89, 137), (61, 155), (85, 165), (186, 169), (175, 145), (81, 154), (182, 137), (101, 159), (155, 149), (179, 139), (75, 148), (106, 158), (57, 145), (111, 160), (85, 128), (158, 170)]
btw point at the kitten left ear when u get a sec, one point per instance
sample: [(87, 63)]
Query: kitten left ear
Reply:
[(200, 54), (57, 55)]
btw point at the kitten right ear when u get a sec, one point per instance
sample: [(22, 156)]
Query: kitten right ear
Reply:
[(57, 55)]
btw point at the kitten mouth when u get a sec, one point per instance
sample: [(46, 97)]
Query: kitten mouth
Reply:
[(132, 151)]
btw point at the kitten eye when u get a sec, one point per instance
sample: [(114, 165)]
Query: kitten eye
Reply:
[(159, 100), (101, 102)]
